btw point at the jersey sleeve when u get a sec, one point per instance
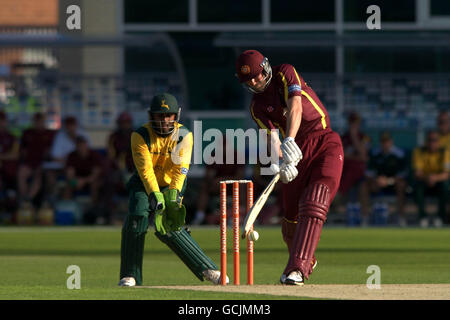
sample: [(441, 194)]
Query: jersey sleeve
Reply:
[(143, 163), (446, 163), (181, 159), (290, 81)]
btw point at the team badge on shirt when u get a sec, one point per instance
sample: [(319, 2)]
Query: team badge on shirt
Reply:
[(270, 108), (184, 171)]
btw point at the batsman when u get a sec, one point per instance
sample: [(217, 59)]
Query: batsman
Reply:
[(161, 150), (311, 152)]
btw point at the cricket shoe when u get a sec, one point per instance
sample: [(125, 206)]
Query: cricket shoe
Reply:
[(295, 278), (127, 282), (213, 276)]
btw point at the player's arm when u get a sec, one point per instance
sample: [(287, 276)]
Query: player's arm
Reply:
[(444, 175), (292, 88), (143, 163), (418, 164), (293, 116), (181, 159)]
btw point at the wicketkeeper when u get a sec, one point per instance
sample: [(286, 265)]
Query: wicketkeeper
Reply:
[(161, 150)]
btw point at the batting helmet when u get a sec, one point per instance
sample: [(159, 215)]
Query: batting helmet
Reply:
[(250, 64)]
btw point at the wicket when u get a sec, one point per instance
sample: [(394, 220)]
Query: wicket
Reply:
[(236, 235)]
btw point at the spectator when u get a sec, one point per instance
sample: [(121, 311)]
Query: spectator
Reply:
[(63, 144), (9, 152), (431, 164), (386, 173), (210, 185), (443, 124), (119, 150), (83, 170), (65, 141), (34, 149), (120, 166), (356, 145)]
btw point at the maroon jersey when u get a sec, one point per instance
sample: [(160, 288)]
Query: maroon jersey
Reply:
[(7, 141), (35, 146), (7, 144), (269, 108), (84, 166)]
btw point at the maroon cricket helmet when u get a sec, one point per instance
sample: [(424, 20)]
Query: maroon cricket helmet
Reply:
[(250, 64)]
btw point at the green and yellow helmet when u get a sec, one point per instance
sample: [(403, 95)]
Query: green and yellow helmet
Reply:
[(163, 103)]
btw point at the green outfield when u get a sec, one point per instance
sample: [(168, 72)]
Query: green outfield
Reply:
[(33, 261)]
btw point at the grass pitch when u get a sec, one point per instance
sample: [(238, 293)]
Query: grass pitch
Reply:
[(34, 260)]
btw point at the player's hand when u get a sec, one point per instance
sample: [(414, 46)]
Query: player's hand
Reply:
[(288, 172), (290, 151), (175, 212)]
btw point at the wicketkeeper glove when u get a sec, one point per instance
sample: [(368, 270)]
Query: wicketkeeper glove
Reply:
[(158, 206), (176, 212), (290, 151)]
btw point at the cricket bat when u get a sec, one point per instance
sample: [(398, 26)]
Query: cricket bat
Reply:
[(257, 206)]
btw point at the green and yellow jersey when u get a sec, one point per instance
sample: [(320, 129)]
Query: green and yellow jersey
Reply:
[(444, 141), (431, 162), (162, 161)]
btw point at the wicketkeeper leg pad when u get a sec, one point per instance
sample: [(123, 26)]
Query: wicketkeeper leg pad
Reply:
[(188, 250), (132, 247), (313, 209)]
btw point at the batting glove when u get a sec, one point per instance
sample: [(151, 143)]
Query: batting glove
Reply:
[(290, 151), (288, 172)]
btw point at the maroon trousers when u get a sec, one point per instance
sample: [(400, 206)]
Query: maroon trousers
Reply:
[(306, 199)]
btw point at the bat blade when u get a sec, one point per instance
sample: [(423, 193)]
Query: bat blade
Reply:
[(257, 206)]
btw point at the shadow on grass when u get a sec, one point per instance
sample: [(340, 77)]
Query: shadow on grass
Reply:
[(163, 251)]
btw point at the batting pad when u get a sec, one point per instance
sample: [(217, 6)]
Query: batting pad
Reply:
[(188, 250)]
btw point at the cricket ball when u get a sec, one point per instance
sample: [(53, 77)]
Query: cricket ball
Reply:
[(253, 235)]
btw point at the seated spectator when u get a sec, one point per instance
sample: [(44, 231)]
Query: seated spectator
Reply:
[(443, 124), (356, 145), (35, 147), (210, 185), (9, 154), (386, 173), (63, 144), (83, 170), (65, 140), (431, 165)]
